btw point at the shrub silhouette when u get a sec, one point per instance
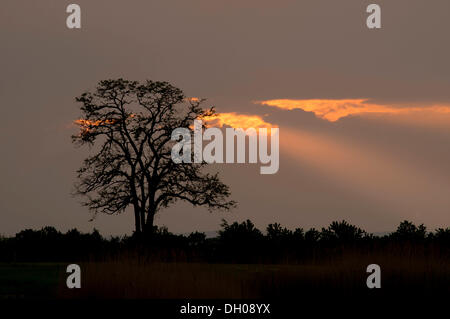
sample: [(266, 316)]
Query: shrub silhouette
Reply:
[(342, 231), (312, 235), (442, 235), (237, 242), (240, 242), (277, 232), (239, 233), (408, 231), (196, 239)]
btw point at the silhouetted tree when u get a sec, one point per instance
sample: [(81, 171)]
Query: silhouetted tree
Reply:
[(237, 242), (442, 234), (298, 234), (244, 232), (408, 231), (312, 235), (196, 238), (240, 242), (342, 231), (131, 124), (276, 232)]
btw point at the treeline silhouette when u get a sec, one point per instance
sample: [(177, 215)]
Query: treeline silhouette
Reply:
[(235, 243)]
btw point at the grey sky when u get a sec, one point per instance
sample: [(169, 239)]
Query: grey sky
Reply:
[(233, 53)]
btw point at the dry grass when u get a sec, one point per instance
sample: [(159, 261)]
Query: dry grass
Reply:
[(346, 275)]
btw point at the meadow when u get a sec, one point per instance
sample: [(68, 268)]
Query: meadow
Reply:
[(241, 263), (136, 279)]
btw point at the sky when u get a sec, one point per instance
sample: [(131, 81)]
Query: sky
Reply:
[(363, 114)]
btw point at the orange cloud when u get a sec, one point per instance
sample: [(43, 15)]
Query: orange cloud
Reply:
[(236, 120), (232, 119), (333, 110), (87, 125)]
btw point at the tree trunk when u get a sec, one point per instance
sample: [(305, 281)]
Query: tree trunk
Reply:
[(142, 217), (149, 229), (137, 221), (151, 211)]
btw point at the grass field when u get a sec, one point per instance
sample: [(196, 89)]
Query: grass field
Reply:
[(128, 279), (133, 278), (30, 280)]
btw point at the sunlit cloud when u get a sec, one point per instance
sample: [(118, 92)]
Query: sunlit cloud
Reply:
[(232, 119), (333, 110), (87, 125), (236, 120)]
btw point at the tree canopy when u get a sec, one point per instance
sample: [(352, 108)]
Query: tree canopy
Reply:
[(129, 127)]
